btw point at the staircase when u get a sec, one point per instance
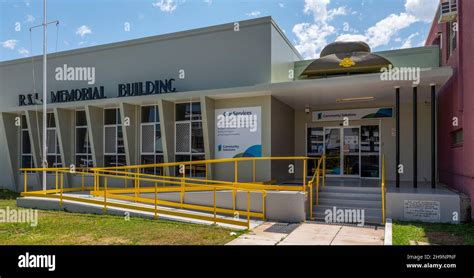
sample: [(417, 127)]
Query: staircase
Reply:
[(367, 198)]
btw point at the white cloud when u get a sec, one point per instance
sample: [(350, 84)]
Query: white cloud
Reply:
[(253, 14), (209, 2), (312, 37), (381, 33), (30, 18), (10, 44), (351, 37), (167, 6), (422, 9), (408, 41), (23, 51), (281, 5), (83, 30)]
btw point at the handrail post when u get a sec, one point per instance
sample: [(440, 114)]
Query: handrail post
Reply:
[(236, 172), (305, 161), (62, 187), (95, 180), (317, 186), (56, 181), (105, 194), (215, 206), (248, 209), (25, 181), (156, 202), (254, 170), (181, 195), (137, 187), (324, 170), (263, 205)]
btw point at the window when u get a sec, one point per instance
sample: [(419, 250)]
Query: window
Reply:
[(26, 154), (314, 147), (457, 138), (83, 149), (189, 140), (452, 37), (370, 151), (114, 148), (151, 141), (54, 153)]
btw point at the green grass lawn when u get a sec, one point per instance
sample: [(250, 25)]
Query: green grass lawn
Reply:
[(440, 234), (63, 228)]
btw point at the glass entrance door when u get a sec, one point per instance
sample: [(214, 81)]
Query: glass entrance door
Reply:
[(350, 151), (332, 149), (342, 149)]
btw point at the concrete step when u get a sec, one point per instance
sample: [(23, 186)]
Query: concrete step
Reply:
[(346, 189), (371, 215), (350, 202), (367, 219), (352, 196), (367, 211)]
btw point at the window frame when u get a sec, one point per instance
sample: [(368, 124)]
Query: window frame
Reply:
[(156, 122), (30, 154), (118, 123), (190, 121), (88, 155), (57, 147)]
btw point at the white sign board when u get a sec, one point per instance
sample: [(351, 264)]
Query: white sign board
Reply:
[(238, 132), (421, 210), (352, 114)]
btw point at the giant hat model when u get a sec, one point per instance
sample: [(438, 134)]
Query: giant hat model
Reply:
[(343, 58)]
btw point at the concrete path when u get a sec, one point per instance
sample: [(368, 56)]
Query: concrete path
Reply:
[(310, 233)]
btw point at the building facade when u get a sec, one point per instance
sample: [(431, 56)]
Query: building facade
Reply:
[(456, 98), (173, 98)]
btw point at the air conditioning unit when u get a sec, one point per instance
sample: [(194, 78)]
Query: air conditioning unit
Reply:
[(448, 11)]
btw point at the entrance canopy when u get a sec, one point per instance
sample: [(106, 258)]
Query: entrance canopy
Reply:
[(339, 90)]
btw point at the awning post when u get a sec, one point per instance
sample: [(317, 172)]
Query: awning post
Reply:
[(415, 137), (397, 136)]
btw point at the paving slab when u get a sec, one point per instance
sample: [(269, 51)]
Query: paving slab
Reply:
[(311, 233)]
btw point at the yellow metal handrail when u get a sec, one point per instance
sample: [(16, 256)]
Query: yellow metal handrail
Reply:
[(182, 184), (316, 178), (105, 193)]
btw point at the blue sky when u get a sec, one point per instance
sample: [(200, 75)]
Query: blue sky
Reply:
[(309, 24)]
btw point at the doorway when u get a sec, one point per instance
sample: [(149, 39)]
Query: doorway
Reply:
[(342, 149), (351, 151)]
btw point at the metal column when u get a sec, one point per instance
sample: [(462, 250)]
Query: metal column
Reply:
[(397, 144), (415, 137), (433, 135)]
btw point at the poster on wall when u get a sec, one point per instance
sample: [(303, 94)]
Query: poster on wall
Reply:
[(352, 114), (238, 132)]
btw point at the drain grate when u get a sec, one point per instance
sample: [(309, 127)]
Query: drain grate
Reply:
[(282, 228)]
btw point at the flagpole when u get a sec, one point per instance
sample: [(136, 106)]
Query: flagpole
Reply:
[(45, 100)]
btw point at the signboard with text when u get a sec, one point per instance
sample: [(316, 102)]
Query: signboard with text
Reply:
[(238, 132), (352, 114)]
